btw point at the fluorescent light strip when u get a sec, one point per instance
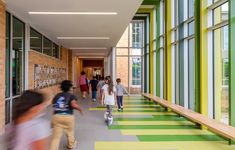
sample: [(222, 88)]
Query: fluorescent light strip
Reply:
[(73, 13), (91, 48), (83, 38)]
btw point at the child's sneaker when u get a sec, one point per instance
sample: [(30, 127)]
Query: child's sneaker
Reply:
[(119, 109), (110, 121), (122, 109), (105, 115), (73, 147)]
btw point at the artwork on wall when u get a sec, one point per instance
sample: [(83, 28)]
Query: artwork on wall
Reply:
[(45, 76)]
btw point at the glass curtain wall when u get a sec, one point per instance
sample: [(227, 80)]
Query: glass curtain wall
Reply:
[(175, 55), (129, 57), (220, 43), (161, 48), (183, 50), (15, 52)]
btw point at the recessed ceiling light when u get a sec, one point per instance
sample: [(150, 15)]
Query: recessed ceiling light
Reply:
[(83, 38), (91, 48), (73, 13)]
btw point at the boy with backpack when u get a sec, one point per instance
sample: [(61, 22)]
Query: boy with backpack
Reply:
[(63, 119), (120, 92)]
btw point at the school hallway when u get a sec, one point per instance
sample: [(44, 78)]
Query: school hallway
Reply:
[(179, 54), (143, 125)]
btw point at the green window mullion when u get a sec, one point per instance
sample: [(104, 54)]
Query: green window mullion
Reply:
[(232, 64), (197, 55)]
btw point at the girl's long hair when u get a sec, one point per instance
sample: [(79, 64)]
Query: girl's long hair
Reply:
[(110, 84)]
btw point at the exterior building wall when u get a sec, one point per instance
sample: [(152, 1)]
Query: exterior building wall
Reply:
[(2, 65), (41, 59)]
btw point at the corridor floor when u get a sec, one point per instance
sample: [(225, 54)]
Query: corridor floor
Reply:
[(142, 126)]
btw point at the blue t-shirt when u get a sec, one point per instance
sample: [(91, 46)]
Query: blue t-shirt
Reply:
[(62, 103)]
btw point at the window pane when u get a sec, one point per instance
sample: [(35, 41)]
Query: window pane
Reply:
[(17, 56), (122, 51), (123, 42), (191, 59), (221, 74), (220, 14), (122, 70), (55, 50), (135, 51), (7, 67), (191, 28), (47, 45), (190, 8), (135, 75), (136, 35), (7, 111), (35, 40)]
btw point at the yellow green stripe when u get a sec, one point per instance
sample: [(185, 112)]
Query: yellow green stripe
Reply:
[(143, 113), (167, 132), (154, 123), (179, 145), (127, 109)]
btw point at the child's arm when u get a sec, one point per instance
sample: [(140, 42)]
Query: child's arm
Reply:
[(75, 106), (102, 98), (126, 92)]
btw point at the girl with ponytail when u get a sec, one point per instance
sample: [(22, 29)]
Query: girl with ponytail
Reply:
[(108, 95)]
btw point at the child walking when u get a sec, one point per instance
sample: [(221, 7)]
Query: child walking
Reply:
[(108, 96), (120, 92), (29, 130), (63, 119), (93, 87)]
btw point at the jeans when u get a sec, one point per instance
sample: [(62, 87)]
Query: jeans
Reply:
[(119, 101), (94, 94)]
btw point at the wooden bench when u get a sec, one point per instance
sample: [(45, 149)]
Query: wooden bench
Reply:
[(219, 128)]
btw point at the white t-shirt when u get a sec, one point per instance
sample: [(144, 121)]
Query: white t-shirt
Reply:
[(29, 132), (108, 99)]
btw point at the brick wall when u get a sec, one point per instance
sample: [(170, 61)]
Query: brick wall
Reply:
[(41, 59), (2, 65)]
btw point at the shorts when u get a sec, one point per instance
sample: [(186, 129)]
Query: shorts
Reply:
[(83, 88)]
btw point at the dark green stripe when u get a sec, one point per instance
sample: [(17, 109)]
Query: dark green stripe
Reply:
[(141, 102), (151, 138), (145, 127)]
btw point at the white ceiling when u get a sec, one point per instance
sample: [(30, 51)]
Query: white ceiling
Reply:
[(78, 25)]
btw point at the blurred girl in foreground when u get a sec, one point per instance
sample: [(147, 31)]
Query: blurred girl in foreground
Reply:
[(29, 131)]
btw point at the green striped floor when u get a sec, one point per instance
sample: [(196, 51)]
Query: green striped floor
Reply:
[(160, 130)]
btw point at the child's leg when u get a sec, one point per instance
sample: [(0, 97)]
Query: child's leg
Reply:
[(109, 110), (95, 94), (118, 102), (121, 101)]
